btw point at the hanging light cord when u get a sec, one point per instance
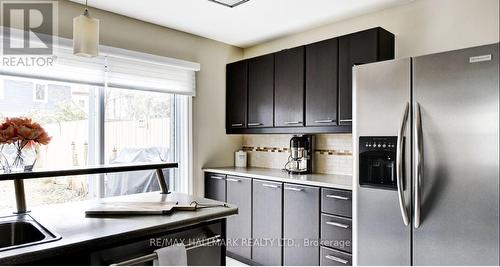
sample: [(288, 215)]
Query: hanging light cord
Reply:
[(86, 12)]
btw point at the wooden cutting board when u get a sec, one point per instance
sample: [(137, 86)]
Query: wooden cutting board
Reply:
[(138, 208)]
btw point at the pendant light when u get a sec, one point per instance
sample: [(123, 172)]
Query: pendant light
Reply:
[(85, 35)]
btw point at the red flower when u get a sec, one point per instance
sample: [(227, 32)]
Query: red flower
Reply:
[(22, 129)]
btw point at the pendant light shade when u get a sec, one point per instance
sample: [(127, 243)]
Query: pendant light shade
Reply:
[(85, 35)]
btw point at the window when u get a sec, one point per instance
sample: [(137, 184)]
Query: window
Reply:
[(67, 123), (138, 127), (120, 107), (40, 92)]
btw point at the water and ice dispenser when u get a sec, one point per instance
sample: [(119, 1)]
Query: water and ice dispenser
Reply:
[(377, 162)]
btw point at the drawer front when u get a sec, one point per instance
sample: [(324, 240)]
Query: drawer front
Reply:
[(337, 202), (336, 232), (332, 257), (215, 186)]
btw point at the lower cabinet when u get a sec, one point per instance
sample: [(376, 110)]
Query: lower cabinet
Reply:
[(284, 223), (267, 222), (136, 248), (300, 222), (239, 228)]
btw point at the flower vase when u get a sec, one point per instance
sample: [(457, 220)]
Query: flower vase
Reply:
[(18, 156)]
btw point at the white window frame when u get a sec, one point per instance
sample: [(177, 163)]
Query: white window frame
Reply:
[(45, 88), (2, 90)]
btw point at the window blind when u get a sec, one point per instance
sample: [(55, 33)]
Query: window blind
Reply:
[(114, 67), (61, 66), (134, 73)]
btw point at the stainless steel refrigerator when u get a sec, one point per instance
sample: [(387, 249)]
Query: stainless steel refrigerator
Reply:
[(426, 146)]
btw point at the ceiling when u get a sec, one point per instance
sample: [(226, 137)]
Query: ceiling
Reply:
[(253, 22)]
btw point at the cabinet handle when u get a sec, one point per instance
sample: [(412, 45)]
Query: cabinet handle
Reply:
[(341, 225), (270, 185), (337, 197), (255, 124), (216, 177), (237, 125), (324, 121), (232, 180), (294, 189), (292, 122), (349, 120), (339, 260)]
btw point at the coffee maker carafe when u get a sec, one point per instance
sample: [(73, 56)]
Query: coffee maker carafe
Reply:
[(300, 159)]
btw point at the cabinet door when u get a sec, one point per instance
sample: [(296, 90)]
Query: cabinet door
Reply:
[(236, 94), (215, 186), (239, 227), (321, 83), (267, 223), (261, 91), (289, 88), (301, 223), (354, 49)]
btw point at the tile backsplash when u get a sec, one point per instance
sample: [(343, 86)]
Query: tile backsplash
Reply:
[(332, 152)]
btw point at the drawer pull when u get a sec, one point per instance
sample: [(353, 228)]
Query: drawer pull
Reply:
[(237, 125), (216, 177), (270, 185), (293, 122), (324, 121), (294, 189), (341, 225), (232, 180), (255, 124), (337, 197), (349, 120), (337, 259)]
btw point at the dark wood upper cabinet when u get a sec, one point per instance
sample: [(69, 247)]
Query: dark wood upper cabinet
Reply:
[(236, 94), (359, 48), (321, 83), (307, 86), (289, 88), (261, 91)]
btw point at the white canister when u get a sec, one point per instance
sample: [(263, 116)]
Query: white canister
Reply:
[(240, 159)]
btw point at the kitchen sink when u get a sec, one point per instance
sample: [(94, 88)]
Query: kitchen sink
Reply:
[(22, 230)]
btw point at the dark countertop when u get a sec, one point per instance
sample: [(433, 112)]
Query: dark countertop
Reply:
[(321, 180), (77, 230)]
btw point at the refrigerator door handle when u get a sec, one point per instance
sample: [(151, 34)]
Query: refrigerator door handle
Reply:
[(399, 164), (419, 156)]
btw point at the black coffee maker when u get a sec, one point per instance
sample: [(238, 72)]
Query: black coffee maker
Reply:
[(300, 159)]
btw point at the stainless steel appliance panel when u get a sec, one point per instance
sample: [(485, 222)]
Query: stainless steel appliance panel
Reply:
[(381, 92), (457, 96)]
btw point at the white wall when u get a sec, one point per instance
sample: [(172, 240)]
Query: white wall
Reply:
[(421, 27), (212, 147)]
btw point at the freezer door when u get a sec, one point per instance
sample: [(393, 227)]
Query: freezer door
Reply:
[(457, 94), (380, 92)]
